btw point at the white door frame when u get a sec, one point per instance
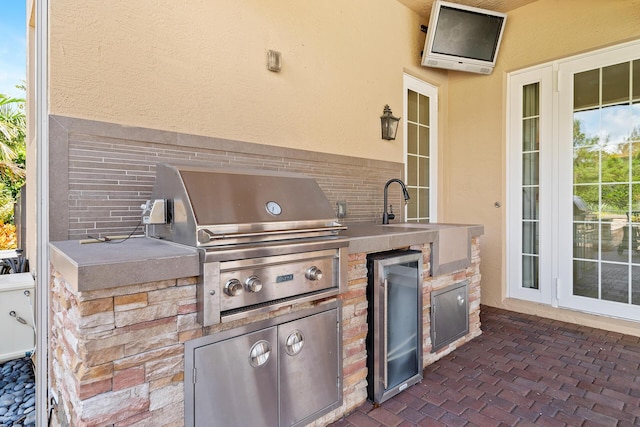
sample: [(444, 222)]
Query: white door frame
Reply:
[(546, 285), (42, 210), (556, 238), (422, 87), (566, 69)]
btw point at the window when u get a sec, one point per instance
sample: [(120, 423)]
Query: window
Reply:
[(530, 152)]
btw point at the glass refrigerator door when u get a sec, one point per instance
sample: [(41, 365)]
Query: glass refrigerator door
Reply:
[(402, 340)]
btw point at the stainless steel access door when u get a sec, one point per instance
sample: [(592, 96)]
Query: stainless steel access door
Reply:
[(309, 373), (283, 371), (235, 387), (449, 314)]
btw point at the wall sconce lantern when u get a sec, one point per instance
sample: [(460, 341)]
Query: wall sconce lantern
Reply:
[(389, 124)]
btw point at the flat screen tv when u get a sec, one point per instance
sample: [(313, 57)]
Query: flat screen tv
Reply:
[(463, 38)]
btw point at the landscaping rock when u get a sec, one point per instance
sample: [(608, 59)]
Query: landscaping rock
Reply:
[(17, 394)]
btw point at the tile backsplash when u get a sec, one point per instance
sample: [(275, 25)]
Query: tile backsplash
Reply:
[(101, 173)]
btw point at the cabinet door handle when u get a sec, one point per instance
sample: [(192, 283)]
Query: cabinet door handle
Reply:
[(259, 353), (294, 343)]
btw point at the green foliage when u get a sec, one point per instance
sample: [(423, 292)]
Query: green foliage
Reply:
[(6, 206), (13, 127), (602, 170)]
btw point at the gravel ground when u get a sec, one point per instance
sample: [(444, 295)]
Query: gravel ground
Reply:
[(17, 394)]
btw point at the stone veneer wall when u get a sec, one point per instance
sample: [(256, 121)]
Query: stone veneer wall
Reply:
[(117, 355), (102, 172)]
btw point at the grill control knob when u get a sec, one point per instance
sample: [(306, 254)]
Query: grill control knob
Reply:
[(253, 284), (233, 287), (313, 273)]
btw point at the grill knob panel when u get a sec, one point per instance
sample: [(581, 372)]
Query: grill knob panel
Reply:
[(233, 287), (313, 273), (253, 284)]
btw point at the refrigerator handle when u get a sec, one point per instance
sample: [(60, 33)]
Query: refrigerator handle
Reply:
[(385, 330)]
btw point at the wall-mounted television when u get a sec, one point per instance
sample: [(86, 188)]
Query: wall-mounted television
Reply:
[(463, 38)]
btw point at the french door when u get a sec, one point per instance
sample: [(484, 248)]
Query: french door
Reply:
[(574, 218), (421, 149)]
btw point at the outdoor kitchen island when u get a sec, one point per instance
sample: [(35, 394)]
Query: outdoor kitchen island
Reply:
[(121, 314)]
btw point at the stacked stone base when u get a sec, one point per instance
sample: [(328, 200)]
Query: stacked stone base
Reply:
[(117, 355)]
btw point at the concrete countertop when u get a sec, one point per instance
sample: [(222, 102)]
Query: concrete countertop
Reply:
[(369, 238), (94, 266), (451, 243)]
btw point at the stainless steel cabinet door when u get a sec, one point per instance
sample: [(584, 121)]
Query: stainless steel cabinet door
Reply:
[(309, 374), (237, 377), (449, 314)]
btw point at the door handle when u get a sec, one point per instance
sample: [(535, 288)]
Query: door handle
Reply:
[(385, 325)]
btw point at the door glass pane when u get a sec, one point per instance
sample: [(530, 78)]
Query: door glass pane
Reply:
[(615, 282), (412, 206), (530, 130), (586, 165), (606, 175), (423, 198), (585, 278), (530, 238), (423, 109), (530, 203), (412, 171), (586, 89), (530, 271), (636, 79), (530, 184), (585, 240), (530, 168), (635, 285), (423, 142), (530, 100), (615, 165), (615, 83), (585, 202), (635, 118), (418, 156), (618, 124), (423, 172), (412, 138), (586, 128), (412, 106)]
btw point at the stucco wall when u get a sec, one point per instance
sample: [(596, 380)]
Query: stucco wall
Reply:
[(476, 165), (200, 68)]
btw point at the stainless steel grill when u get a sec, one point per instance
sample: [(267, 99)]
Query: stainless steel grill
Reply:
[(266, 239), (219, 207)]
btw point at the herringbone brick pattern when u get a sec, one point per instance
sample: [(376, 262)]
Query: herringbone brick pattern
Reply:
[(523, 371)]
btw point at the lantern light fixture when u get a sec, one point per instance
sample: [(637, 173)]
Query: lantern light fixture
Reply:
[(389, 124)]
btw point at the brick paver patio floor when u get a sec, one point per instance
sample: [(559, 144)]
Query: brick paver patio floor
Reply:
[(524, 370)]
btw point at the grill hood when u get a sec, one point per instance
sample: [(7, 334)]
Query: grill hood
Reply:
[(206, 206)]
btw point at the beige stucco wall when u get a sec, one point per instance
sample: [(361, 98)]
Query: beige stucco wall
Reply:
[(476, 166), (200, 67)]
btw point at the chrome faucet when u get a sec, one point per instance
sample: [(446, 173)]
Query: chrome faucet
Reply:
[(387, 216)]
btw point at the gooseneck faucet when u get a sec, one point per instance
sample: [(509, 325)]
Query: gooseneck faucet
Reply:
[(387, 216)]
